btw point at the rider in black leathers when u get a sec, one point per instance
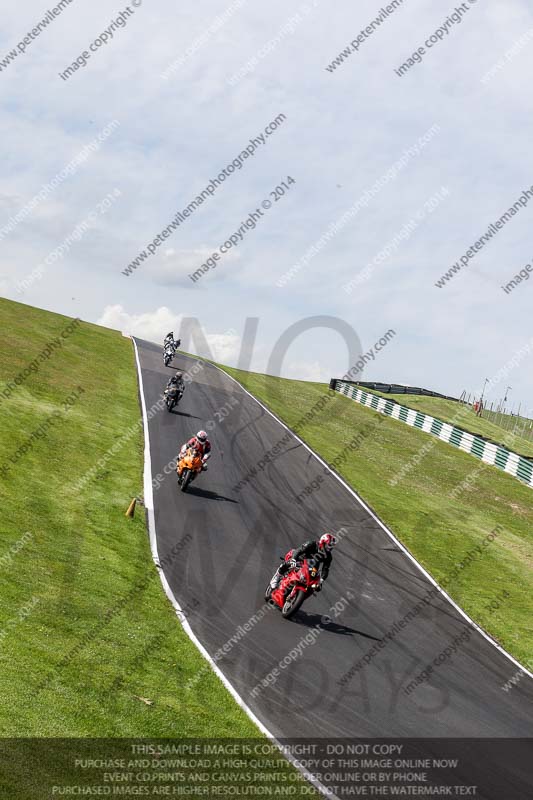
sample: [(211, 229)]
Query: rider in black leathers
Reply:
[(169, 339), (177, 382), (317, 549)]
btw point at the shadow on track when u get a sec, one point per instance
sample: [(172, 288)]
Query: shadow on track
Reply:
[(195, 490), (316, 620), (183, 414)]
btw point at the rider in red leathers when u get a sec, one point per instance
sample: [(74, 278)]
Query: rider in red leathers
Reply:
[(201, 443)]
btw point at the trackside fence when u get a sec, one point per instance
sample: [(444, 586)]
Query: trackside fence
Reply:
[(490, 453)]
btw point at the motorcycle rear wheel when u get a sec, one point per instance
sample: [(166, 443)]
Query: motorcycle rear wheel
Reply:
[(292, 605)]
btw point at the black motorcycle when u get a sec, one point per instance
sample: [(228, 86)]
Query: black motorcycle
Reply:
[(172, 397)]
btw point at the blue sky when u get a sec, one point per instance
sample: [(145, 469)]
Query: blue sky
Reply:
[(343, 131)]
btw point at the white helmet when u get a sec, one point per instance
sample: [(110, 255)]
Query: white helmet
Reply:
[(327, 541)]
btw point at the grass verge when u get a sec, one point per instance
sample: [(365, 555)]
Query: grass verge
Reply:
[(85, 629), (463, 416), (439, 501)]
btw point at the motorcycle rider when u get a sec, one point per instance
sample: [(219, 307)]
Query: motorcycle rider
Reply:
[(176, 382), (201, 443), (169, 340), (317, 549)]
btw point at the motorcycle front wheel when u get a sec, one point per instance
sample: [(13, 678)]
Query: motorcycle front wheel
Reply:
[(292, 604), (185, 479)]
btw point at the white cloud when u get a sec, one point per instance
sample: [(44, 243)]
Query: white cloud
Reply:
[(177, 135), (306, 371), (153, 326), (225, 347)]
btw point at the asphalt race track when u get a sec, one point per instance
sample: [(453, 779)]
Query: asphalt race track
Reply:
[(237, 538)]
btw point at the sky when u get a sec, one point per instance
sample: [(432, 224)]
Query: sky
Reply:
[(365, 192)]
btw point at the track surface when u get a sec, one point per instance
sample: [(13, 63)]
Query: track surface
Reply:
[(237, 538)]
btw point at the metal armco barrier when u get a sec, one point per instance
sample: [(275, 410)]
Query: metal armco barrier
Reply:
[(488, 452), (396, 388)]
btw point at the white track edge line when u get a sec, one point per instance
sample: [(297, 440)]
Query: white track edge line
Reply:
[(149, 506), (382, 525)]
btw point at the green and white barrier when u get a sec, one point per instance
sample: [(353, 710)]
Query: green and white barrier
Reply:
[(493, 454)]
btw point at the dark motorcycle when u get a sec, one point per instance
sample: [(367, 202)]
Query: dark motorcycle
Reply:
[(172, 397)]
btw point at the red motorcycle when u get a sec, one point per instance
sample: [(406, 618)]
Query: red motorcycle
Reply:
[(299, 583)]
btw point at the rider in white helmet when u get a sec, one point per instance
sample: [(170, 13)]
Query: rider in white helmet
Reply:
[(201, 443)]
